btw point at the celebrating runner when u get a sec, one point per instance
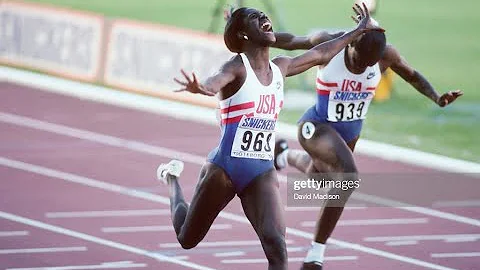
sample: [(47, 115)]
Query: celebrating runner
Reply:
[(329, 130), (250, 89)]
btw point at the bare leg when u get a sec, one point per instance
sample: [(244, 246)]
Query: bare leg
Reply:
[(298, 159), (213, 192), (327, 147), (329, 153), (302, 161), (262, 205)]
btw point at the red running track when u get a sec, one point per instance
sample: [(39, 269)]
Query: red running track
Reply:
[(74, 199)]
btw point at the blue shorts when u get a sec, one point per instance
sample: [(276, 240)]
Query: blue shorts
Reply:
[(347, 130), (242, 171)]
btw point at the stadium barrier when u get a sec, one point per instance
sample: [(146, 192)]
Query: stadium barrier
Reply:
[(53, 40), (145, 57), (133, 56)]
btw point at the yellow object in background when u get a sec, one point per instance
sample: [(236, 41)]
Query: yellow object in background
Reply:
[(384, 89)]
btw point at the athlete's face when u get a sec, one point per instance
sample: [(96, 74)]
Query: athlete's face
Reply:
[(366, 57), (258, 27), (362, 60)]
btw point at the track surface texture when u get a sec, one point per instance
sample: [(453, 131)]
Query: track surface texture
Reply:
[(78, 191)]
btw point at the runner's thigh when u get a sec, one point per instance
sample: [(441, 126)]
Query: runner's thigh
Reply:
[(213, 192)]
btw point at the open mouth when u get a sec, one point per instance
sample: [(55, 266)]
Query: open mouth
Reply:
[(266, 27)]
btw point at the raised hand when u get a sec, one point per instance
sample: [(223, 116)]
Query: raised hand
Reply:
[(363, 19), (227, 12), (449, 97), (192, 85)]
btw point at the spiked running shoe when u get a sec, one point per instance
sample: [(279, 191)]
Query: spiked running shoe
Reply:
[(174, 168)]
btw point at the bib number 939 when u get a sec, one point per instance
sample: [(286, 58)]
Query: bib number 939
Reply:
[(350, 111)]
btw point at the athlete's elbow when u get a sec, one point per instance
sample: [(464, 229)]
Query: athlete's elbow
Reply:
[(323, 59)]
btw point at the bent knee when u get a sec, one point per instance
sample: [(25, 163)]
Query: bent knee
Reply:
[(187, 243)]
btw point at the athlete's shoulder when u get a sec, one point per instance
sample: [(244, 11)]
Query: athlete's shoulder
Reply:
[(390, 53), (279, 59), (234, 65), (282, 62), (234, 69), (390, 56)]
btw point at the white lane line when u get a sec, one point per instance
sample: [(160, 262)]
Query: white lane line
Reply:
[(372, 222), (42, 250), (221, 244), (455, 255), (294, 259), (99, 138), (189, 112), (401, 243), (97, 240), (467, 203), (229, 254), (187, 157), (461, 239), (297, 249), (13, 233), (444, 237), (136, 229), (317, 209), (415, 209), (301, 209), (373, 251), (87, 267), (180, 257), (110, 213), (230, 216)]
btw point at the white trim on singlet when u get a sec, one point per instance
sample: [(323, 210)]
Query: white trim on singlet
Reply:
[(243, 102)]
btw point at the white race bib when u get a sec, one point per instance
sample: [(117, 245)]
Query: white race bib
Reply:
[(348, 106), (255, 138)]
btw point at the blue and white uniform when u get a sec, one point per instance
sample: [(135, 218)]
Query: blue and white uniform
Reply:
[(343, 97), (248, 121)]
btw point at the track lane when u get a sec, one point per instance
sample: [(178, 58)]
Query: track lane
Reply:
[(101, 158)]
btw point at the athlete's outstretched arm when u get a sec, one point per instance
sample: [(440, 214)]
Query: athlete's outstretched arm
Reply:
[(287, 41), (213, 84), (399, 65), (324, 52)]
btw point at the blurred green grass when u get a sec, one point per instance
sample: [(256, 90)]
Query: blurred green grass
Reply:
[(439, 38)]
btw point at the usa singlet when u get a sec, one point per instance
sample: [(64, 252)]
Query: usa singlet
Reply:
[(343, 97), (248, 120)]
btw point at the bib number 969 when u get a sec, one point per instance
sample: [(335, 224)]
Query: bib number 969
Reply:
[(259, 143)]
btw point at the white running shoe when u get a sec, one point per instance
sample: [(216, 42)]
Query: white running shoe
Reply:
[(174, 167)]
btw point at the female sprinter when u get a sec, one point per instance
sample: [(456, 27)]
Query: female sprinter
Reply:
[(329, 130), (250, 89)]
